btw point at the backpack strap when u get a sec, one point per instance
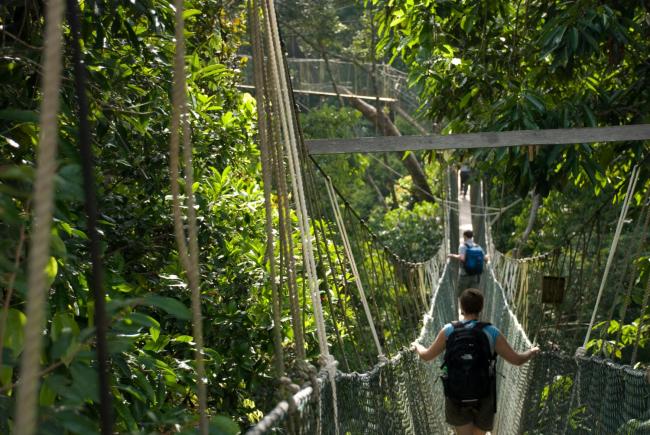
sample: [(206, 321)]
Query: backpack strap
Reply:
[(481, 326), (456, 324)]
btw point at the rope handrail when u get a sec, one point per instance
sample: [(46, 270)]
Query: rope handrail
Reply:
[(364, 224)]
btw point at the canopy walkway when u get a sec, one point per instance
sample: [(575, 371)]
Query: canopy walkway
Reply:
[(361, 293), (554, 393), (364, 81)]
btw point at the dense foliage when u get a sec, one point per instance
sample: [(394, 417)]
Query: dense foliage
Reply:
[(483, 66), (128, 53), (511, 65)]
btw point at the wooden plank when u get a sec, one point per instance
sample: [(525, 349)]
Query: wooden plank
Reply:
[(480, 140), (332, 94)]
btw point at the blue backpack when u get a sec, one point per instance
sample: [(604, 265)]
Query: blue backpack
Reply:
[(474, 260)]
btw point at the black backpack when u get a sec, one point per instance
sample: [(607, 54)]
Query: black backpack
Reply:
[(474, 258), (469, 364)]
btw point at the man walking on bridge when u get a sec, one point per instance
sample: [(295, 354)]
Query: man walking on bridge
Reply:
[(469, 366), (472, 258)]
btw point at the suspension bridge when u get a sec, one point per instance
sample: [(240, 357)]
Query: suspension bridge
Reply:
[(366, 301), (558, 392)]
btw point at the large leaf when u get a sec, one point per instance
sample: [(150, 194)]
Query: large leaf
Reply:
[(169, 305)]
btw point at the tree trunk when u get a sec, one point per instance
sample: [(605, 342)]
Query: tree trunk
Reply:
[(534, 208), (421, 191)]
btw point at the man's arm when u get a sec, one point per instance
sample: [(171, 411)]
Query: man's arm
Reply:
[(459, 257), (435, 349), (504, 350)]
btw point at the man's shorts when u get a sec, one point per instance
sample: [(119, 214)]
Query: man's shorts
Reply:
[(481, 414), (467, 281)]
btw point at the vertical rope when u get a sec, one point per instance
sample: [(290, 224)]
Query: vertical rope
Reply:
[(633, 267), (262, 111), (188, 259), (353, 263), (284, 209), (26, 413), (626, 203), (97, 274), (291, 147)]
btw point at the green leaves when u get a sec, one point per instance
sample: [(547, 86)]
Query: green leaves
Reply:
[(222, 425), (19, 115), (169, 305)]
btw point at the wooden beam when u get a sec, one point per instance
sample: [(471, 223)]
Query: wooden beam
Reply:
[(480, 140), (332, 94)]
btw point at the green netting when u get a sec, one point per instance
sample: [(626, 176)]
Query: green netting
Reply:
[(552, 394), (588, 396), (401, 395)]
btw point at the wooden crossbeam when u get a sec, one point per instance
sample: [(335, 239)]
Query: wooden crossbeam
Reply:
[(332, 94), (480, 140)]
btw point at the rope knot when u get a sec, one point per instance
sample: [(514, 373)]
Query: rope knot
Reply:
[(581, 352), (288, 389), (382, 358), (328, 362), (287, 385), (305, 369)]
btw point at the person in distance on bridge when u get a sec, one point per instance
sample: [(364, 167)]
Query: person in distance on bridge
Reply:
[(472, 258), (465, 173), (469, 368)]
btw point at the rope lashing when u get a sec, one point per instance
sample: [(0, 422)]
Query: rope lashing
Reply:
[(43, 199), (189, 257), (353, 263), (621, 220)]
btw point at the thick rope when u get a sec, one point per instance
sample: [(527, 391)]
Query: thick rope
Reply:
[(284, 209), (26, 413), (626, 204), (353, 264), (189, 260), (97, 274), (267, 170), (296, 175), (291, 147)]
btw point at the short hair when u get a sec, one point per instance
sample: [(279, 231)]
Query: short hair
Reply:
[(469, 234), (471, 301)]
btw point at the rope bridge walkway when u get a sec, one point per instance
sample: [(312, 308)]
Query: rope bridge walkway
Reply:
[(362, 294), (554, 393)]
